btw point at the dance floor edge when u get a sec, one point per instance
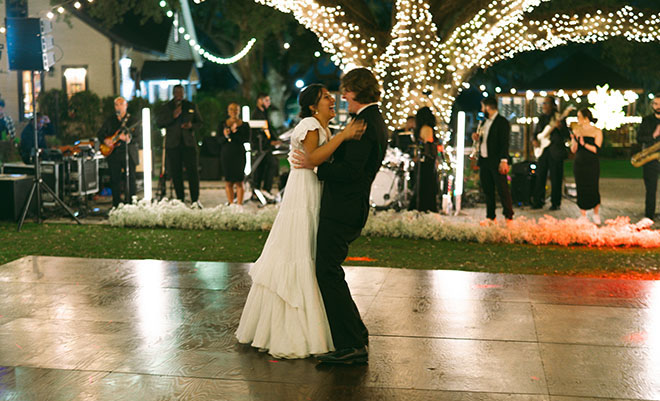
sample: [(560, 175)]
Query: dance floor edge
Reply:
[(100, 329)]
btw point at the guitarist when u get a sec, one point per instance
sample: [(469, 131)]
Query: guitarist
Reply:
[(551, 160), (117, 131)]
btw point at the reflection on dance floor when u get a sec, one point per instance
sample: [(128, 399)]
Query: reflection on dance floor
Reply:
[(85, 329)]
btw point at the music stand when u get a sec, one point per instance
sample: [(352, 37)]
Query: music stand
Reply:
[(38, 184), (249, 179)]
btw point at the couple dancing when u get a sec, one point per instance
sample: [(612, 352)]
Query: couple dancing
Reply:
[(300, 304)]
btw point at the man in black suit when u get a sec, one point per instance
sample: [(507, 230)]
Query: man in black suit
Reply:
[(264, 141), (552, 159), (344, 210), (181, 118), (494, 158)]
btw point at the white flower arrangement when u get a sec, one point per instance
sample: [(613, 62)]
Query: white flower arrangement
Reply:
[(175, 214), (619, 232)]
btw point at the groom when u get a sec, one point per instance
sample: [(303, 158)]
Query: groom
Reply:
[(344, 211)]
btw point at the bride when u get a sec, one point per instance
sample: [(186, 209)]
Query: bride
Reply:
[(284, 312)]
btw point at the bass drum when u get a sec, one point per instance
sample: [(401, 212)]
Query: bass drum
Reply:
[(386, 189)]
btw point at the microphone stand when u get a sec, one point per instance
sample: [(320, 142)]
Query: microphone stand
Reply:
[(419, 148)]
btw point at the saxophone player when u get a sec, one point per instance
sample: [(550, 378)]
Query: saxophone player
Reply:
[(648, 134)]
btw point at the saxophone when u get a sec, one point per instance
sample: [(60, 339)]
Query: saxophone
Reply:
[(649, 154)]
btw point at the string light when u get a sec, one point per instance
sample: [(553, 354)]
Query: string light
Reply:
[(51, 13), (201, 50), (416, 61), (608, 106)]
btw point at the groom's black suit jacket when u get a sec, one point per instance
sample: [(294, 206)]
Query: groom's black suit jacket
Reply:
[(348, 177)]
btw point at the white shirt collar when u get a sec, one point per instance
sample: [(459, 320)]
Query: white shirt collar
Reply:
[(365, 106)]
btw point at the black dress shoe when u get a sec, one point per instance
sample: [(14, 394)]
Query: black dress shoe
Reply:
[(346, 356), (554, 207)]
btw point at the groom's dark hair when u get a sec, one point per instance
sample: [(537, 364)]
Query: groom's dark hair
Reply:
[(363, 83)]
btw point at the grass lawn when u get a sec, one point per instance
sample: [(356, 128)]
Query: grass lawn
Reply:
[(100, 241)]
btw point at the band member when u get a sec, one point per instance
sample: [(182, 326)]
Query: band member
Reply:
[(235, 133), (264, 141), (44, 127), (117, 131), (648, 134), (7, 128), (425, 197), (586, 142), (404, 138), (552, 159), (494, 158), (181, 118)]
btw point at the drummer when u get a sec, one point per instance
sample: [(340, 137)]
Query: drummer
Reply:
[(404, 138)]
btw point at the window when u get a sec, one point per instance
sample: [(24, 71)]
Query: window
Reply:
[(75, 79), (27, 84)]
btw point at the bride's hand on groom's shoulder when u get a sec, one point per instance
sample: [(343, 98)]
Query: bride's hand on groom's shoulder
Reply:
[(354, 130), (299, 159)]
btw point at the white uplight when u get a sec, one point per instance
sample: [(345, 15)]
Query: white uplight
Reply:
[(146, 152), (460, 159), (245, 113)]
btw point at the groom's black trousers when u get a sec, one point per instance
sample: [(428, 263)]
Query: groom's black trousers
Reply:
[(348, 330)]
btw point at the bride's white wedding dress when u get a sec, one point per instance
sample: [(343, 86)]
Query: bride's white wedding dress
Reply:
[(284, 311)]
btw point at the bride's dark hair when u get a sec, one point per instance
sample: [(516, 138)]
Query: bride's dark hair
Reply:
[(309, 96)]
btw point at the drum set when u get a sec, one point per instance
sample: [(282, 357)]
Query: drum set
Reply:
[(391, 188)]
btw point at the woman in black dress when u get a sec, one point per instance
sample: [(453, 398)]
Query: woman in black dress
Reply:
[(232, 154), (427, 173), (586, 141)]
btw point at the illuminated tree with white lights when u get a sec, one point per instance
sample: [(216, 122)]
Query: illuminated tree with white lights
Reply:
[(415, 60)]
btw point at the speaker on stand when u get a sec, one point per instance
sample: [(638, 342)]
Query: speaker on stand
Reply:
[(30, 48)]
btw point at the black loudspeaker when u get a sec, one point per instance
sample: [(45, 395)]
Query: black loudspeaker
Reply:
[(14, 190), (211, 169), (523, 176), (29, 44), (52, 174)]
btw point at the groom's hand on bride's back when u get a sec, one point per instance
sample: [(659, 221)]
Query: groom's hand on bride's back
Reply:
[(299, 159)]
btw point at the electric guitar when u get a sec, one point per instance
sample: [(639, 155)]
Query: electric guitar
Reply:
[(107, 150), (544, 136)]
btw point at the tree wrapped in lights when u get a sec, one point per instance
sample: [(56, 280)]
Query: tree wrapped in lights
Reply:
[(417, 68), (608, 106)]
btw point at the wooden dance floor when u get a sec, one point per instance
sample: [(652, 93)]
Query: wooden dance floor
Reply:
[(85, 329)]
